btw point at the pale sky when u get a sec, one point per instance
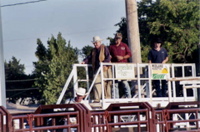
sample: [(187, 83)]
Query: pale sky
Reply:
[(77, 20)]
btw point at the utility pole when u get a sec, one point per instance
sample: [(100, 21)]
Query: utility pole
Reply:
[(198, 63), (198, 71), (2, 71), (133, 35), (133, 30)]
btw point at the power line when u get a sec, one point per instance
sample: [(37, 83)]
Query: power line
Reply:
[(24, 80), (30, 2), (24, 89)]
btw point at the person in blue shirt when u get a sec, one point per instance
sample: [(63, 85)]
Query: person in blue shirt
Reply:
[(159, 54)]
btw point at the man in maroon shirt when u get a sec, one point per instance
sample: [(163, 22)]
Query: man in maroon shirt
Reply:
[(120, 53)]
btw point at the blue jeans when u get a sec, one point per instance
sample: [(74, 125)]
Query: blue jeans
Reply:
[(125, 86)]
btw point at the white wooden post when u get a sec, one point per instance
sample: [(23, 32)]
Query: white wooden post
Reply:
[(2, 71)]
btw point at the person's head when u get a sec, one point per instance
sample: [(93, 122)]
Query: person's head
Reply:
[(96, 41), (118, 38), (80, 94), (157, 42)]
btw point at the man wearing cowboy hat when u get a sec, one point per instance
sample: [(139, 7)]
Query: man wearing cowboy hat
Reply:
[(99, 53), (80, 95), (158, 54)]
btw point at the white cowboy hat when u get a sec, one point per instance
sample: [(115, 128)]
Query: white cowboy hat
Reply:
[(81, 91), (96, 38)]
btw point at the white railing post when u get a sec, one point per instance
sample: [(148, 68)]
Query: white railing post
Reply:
[(195, 90), (102, 84), (87, 77), (91, 86), (75, 79), (173, 82), (138, 82), (65, 87), (150, 82)]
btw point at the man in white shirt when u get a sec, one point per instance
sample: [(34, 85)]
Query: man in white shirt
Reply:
[(80, 95)]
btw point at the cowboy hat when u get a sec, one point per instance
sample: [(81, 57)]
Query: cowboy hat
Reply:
[(96, 38), (118, 35), (81, 91)]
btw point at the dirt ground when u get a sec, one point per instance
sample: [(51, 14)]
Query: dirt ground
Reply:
[(16, 108)]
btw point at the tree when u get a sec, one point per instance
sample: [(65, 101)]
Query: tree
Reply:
[(41, 67), (176, 22), (59, 58), (122, 29), (86, 50), (18, 84), (14, 69)]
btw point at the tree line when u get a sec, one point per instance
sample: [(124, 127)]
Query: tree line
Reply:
[(176, 22)]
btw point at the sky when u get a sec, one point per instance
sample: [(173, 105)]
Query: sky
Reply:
[(77, 20)]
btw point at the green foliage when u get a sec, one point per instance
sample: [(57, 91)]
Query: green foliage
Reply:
[(81, 72), (18, 84), (86, 50), (144, 53), (176, 22), (41, 67), (123, 30), (14, 68), (53, 66)]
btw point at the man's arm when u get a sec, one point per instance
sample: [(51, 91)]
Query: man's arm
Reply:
[(107, 55), (127, 55), (165, 60), (86, 60), (166, 57), (149, 57)]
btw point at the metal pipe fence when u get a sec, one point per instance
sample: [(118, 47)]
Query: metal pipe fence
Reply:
[(131, 117)]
